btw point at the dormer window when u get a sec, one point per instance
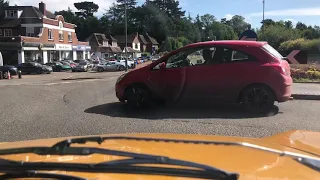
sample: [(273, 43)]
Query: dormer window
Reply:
[(105, 43), (11, 14)]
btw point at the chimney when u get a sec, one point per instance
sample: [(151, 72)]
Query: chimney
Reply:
[(42, 8)]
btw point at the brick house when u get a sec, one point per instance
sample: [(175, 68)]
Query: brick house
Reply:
[(30, 33), (133, 44), (103, 46), (152, 44)]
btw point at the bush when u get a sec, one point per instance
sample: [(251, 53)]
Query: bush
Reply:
[(307, 73), (300, 44)]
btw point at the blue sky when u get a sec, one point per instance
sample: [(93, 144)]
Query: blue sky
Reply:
[(306, 11)]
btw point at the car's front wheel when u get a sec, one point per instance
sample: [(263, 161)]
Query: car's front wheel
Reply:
[(258, 98), (122, 68), (137, 96)]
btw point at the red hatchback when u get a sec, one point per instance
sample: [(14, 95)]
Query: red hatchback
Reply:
[(248, 72)]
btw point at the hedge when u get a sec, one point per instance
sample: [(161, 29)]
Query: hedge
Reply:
[(312, 46)]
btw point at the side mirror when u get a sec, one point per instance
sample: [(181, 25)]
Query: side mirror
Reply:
[(163, 66)]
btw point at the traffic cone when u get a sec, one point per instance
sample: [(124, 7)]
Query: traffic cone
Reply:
[(9, 76)]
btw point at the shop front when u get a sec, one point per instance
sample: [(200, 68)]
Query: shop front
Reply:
[(81, 52), (64, 51)]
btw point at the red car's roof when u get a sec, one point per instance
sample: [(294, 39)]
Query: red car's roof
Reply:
[(231, 42)]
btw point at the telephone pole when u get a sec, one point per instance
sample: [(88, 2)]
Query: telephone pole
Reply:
[(126, 29)]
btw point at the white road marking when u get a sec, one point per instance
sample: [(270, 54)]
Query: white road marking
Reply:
[(69, 77)]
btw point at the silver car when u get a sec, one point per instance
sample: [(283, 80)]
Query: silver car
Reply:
[(110, 66)]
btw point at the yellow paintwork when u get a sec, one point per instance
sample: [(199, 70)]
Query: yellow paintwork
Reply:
[(249, 163)]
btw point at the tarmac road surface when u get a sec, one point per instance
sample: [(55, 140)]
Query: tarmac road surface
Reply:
[(43, 109)]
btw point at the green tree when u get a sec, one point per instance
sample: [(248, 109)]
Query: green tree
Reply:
[(86, 8), (238, 24)]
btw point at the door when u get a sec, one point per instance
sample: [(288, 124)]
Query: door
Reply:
[(168, 83), (203, 75), (236, 69)]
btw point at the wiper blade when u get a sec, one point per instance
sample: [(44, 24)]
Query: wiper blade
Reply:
[(9, 166), (35, 174), (127, 166)]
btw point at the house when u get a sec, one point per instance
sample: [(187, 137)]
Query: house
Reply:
[(133, 44), (143, 43), (103, 46), (30, 33), (152, 44)]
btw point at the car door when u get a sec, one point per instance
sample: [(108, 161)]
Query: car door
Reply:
[(168, 83), (203, 75), (25, 68), (235, 70)]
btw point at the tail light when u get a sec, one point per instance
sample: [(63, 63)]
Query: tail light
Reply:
[(280, 68)]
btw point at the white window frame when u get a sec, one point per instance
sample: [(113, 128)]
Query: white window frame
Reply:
[(30, 31), (11, 14), (105, 43), (6, 31), (69, 36), (60, 35), (50, 36)]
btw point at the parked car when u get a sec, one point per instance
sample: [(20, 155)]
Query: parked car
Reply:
[(69, 63), (247, 72), (81, 67), (12, 69), (110, 66), (58, 66), (34, 67)]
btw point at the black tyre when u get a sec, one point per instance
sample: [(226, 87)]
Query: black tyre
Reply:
[(122, 68), (258, 99), (137, 97), (100, 69)]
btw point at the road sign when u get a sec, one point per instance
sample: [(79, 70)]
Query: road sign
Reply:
[(248, 35), (298, 57)]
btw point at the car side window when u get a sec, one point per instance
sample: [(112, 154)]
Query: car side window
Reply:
[(228, 55)]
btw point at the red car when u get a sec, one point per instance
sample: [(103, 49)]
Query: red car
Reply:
[(248, 72)]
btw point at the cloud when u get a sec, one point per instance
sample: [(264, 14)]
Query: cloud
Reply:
[(58, 5), (228, 16), (314, 11), (294, 22)]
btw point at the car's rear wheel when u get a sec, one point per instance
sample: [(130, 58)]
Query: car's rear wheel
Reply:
[(258, 98), (122, 68), (100, 69), (137, 96)]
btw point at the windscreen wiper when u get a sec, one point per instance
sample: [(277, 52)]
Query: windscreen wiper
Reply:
[(35, 174), (129, 165)]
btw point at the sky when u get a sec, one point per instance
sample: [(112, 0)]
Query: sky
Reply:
[(306, 11)]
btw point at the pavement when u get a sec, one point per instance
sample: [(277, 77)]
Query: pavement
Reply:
[(306, 91), (89, 107)]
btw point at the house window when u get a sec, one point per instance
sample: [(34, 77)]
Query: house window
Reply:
[(30, 31), (0, 32), (114, 44), (105, 43), (50, 36), (7, 32), (136, 46), (11, 14), (69, 37), (60, 36)]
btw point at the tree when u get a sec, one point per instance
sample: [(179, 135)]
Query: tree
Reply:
[(301, 26), (207, 20), (238, 23), (68, 15), (170, 7), (288, 24), (86, 8), (3, 4)]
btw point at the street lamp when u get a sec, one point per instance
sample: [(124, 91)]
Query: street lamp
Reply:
[(126, 32), (263, 4)]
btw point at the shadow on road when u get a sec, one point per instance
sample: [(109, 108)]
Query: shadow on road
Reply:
[(225, 111)]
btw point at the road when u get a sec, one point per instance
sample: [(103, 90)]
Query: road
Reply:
[(44, 109)]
